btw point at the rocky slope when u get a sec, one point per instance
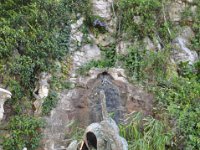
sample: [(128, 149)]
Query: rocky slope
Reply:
[(88, 75)]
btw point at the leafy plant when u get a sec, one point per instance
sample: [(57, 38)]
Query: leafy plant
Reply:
[(145, 133), (181, 98), (33, 35), (145, 11), (24, 67), (145, 65), (49, 103), (24, 132)]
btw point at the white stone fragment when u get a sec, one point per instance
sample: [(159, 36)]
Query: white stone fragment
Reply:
[(4, 95)]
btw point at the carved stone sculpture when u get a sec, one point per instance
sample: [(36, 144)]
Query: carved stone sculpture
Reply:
[(41, 91), (4, 95)]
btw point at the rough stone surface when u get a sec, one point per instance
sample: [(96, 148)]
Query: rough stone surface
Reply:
[(149, 44), (73, 145), (104, 9), (87, 53), (82, 103), (175, 10), (181, 52), (76, 35), (41, 91), (122, 47), (137, 20), (4, 95), (104, 40), (104, 135)]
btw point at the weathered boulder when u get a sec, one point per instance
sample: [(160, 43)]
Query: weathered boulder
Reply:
[(4, 95)]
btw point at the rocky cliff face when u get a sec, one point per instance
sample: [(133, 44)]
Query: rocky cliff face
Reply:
[(82, 103)]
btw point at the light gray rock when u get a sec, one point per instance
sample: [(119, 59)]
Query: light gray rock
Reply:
[(105, 10), (194, 9), (73, 145), (175, 10), (76, 35), (87, 53), (149, 44), (137, 19), (102, 9), (189, 1), (122, 47), (104, 40), (152, 45), (181, 52), (4, 95)]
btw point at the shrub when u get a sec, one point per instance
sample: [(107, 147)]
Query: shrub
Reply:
[(178, 96), (181, 98), (24, 132), (196, 28), (146, 10), (33, 35), (143, 65), (24, 68)]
